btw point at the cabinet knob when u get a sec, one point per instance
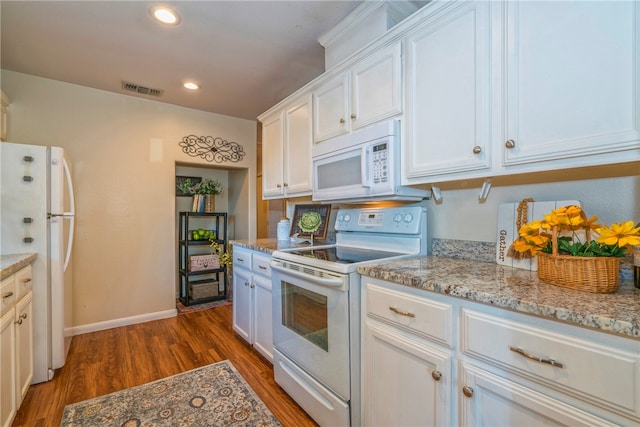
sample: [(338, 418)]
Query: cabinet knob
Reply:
[(477, 149), (246, 283), (23, 316), (467, 391), (285, 185), (19, 321), (510, 143), (353, 116), (278, 186), (341, 121), (436, 375), (252, 286)]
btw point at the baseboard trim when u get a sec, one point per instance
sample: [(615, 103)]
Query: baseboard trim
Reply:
[(115, 323)]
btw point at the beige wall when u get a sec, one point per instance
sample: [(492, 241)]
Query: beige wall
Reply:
[(123, 152), (610, 192)]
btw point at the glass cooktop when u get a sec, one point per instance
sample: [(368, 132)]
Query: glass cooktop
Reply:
[(344, 255)]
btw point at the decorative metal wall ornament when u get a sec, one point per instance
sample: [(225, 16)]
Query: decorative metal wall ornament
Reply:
[(212, 149)]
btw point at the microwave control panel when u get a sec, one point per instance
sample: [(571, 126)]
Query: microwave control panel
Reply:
[(381, 159)]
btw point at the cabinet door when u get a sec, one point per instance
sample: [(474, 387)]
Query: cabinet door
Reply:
[(404, 381), (490, 400), (376, 87), (272, 158), (447, 94), (263, 337), (297, 147), (8, 405), (331, 108), (572, 85), (242, 306), (24, 347)]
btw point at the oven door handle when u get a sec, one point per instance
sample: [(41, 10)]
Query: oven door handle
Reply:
[(330, 283)]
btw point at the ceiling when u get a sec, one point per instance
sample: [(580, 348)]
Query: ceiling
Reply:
[(245, 55)]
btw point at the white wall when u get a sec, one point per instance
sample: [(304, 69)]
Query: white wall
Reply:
[(123, 152)]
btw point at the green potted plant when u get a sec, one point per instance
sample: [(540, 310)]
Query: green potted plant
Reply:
[(206, 190)]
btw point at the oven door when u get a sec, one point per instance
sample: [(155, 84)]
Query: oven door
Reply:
[(311, 322)]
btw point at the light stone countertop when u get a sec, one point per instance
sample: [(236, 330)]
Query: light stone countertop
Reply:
[(518, 290), (12, 263), (271, 245)]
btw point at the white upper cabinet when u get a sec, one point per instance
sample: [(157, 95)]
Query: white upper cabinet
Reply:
[(369, 91), (448, 93), (571, 83), (497, 88), (272, 155), (286, 150)]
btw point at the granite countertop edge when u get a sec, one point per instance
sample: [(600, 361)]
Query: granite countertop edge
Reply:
[(270, 245), (12, 263), (517, 290)]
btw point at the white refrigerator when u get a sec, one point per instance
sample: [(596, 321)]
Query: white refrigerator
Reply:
[(37, 216)]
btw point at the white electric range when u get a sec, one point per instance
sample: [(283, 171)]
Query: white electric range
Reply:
[(316, 307)]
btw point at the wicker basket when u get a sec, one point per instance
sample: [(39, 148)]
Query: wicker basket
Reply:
[(590, 274)]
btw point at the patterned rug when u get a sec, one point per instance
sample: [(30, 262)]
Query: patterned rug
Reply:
[(214, 395), (197, 307)]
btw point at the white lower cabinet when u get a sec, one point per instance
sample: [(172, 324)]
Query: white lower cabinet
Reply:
[(16, 343), (8, 406), (252, 299), (430, 359), (492, 400), (398, 365), (406, 377)]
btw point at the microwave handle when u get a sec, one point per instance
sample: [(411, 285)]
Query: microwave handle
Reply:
[(364, 167)]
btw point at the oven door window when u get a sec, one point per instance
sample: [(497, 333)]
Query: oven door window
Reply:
[(305, 313)]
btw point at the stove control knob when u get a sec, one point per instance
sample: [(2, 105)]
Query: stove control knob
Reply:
[(347, 217), (397, 218), (408, 218), (340, 218)]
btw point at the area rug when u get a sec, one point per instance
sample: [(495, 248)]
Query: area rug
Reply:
[(182, 309), (214, 395)]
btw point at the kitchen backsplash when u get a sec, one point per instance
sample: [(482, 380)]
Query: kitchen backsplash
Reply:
[(486, 252)]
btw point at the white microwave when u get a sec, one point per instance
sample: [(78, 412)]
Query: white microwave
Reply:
[(360, 166)]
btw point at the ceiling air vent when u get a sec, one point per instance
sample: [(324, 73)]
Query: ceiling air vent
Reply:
[(132, 87)]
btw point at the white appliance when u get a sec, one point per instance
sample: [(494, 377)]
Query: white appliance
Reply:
[(37, 216), (316, 307), (363, 165)]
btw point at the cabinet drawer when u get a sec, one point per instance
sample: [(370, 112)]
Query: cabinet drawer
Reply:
[(262, 265), (416, 314), (23, 281), (600, 373), (242, 258), (8, 294)]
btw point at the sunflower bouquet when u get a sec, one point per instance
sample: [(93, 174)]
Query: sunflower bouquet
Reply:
[(570, 256)]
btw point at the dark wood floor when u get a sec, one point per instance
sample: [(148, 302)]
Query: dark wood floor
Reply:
[(107, 361)]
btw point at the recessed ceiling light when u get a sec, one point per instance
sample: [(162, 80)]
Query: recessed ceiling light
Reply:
[(191, 85), (166, 15)]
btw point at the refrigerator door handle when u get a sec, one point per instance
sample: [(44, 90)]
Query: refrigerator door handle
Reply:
[(69, 215)]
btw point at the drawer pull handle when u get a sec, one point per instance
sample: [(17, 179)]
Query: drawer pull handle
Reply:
[(239, 260), (535, 358), (26, 280), (262, 267), (436, 375), (467, 391), (401, 313), (7, 295)]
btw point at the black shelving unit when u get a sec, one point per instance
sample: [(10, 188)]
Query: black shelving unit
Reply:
[(197, 287)]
